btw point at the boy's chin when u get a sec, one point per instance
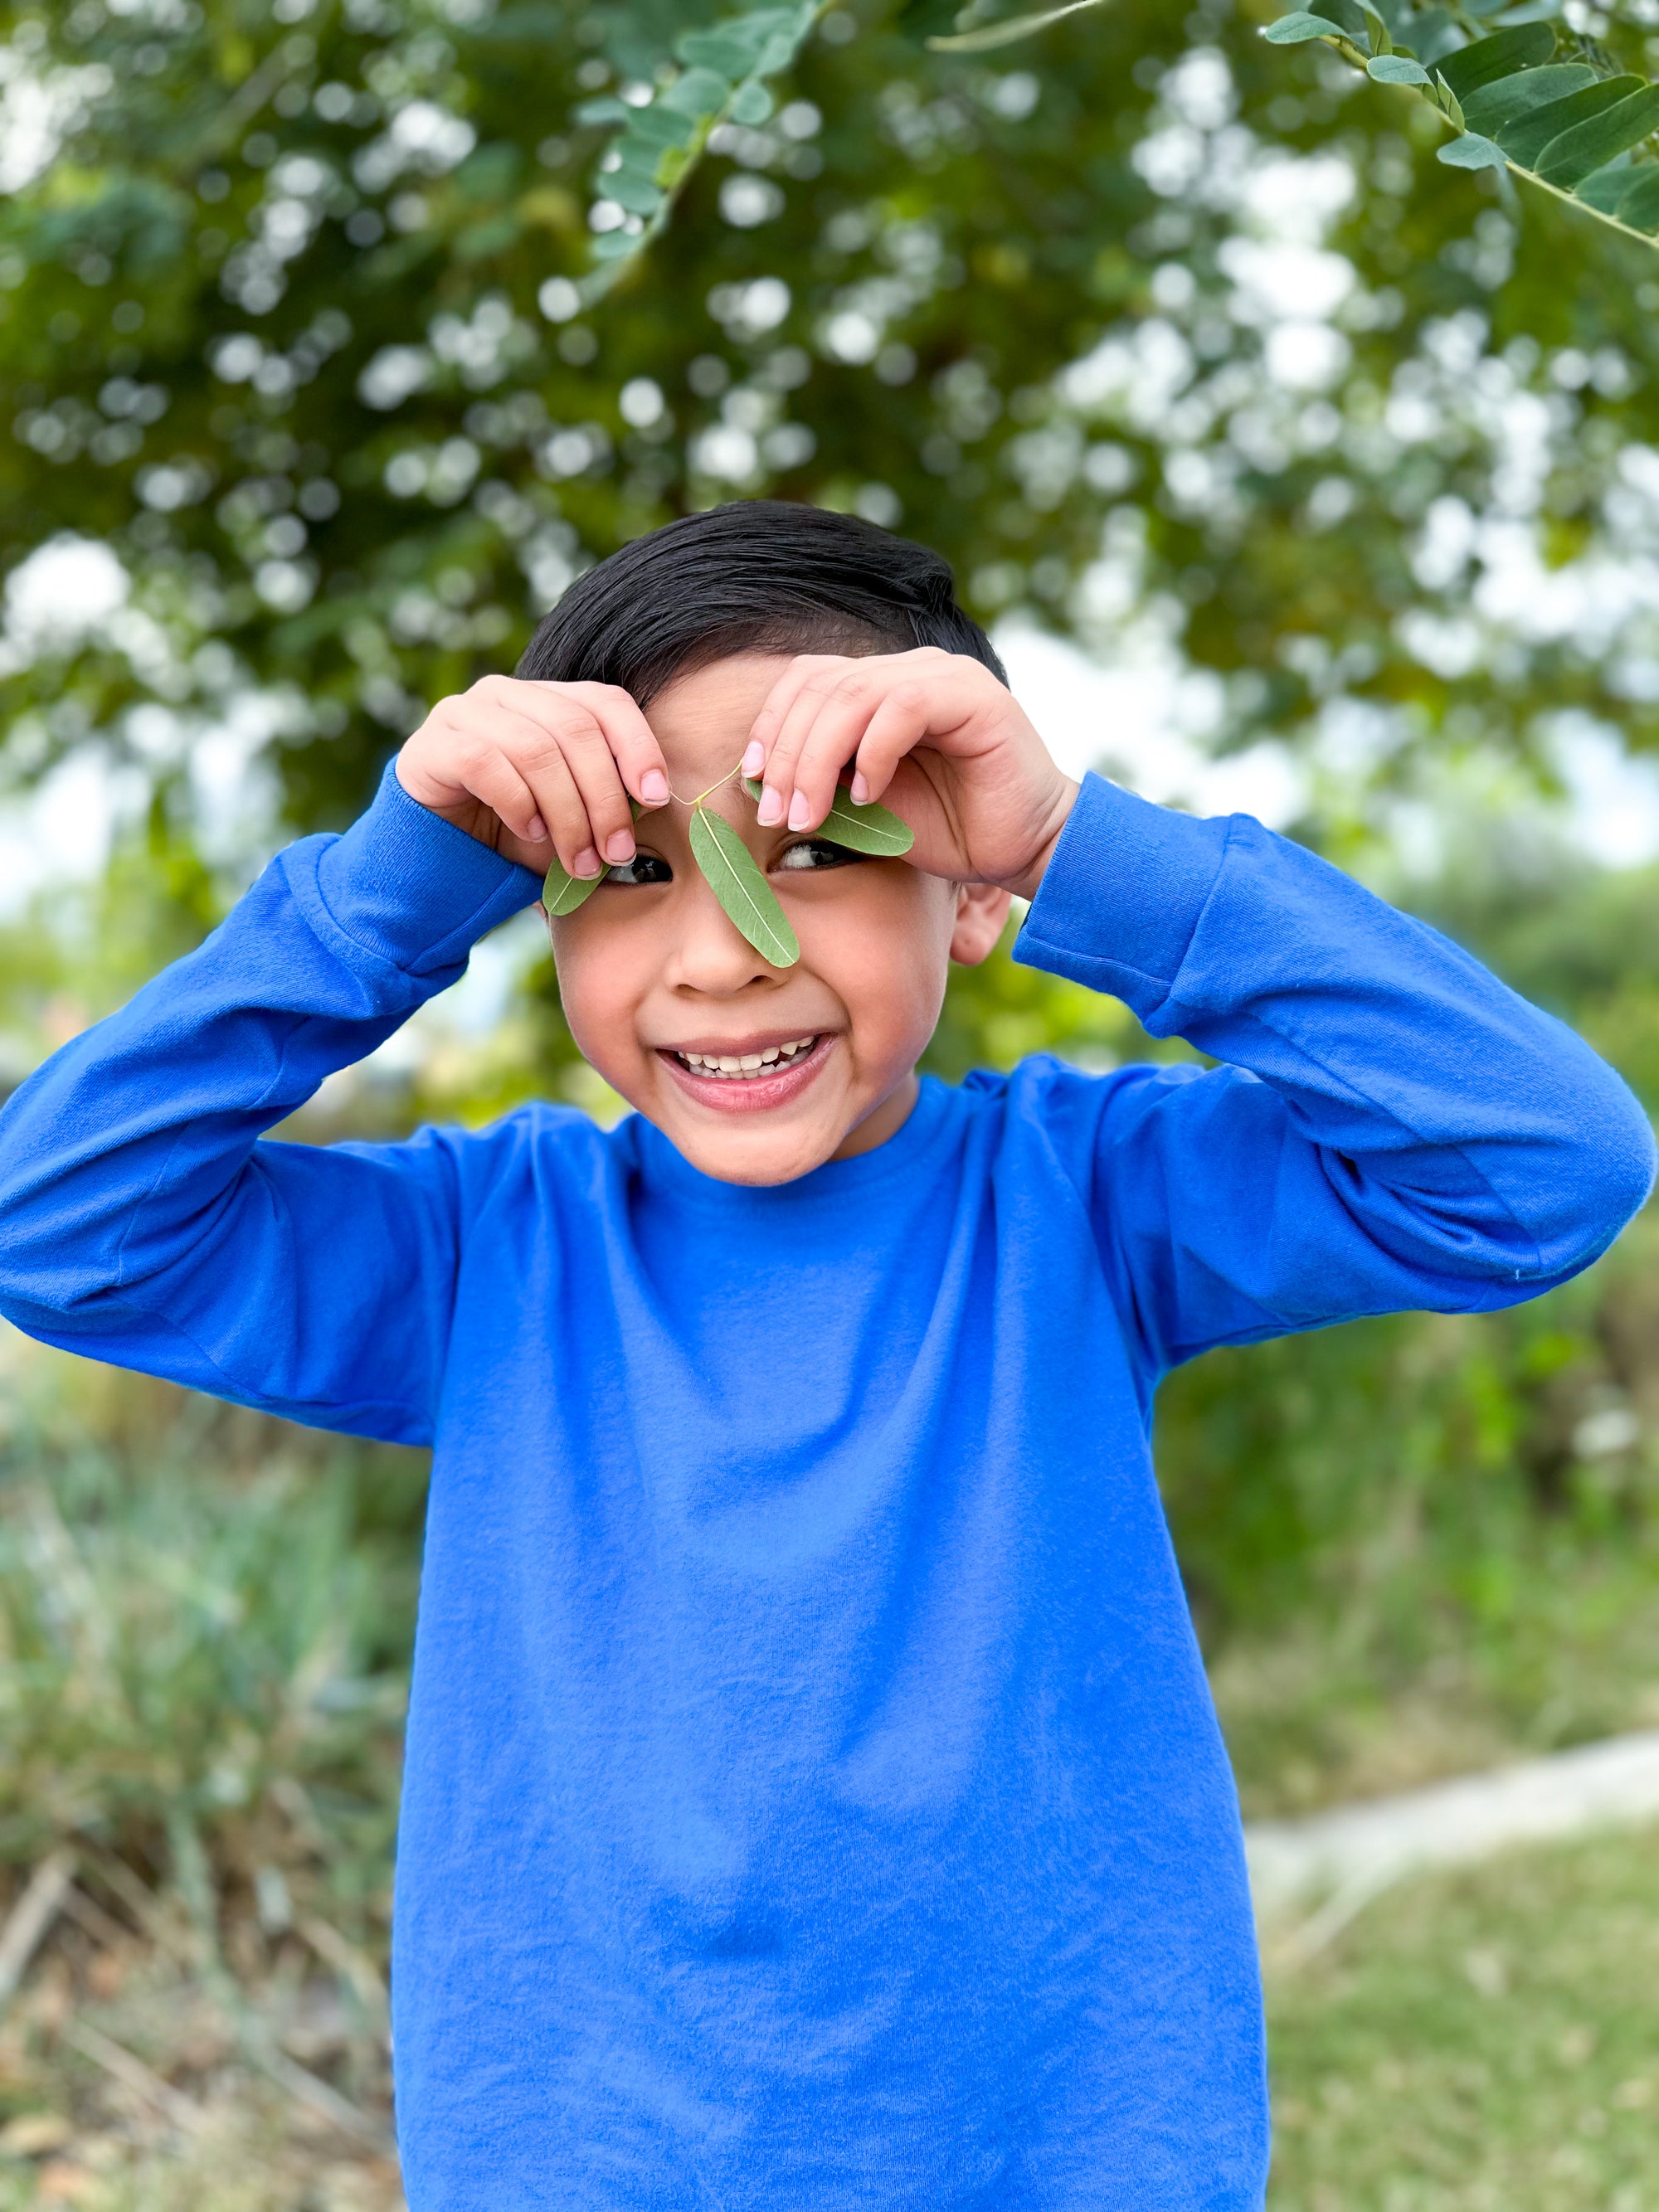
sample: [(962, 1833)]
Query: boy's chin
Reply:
[(744, 1154)]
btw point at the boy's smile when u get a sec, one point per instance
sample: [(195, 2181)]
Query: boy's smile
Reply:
[(668, 1000), (742, 1078)]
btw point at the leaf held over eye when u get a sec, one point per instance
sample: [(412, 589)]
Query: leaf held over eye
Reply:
[(736, 880), (562, 893), (873, 829)]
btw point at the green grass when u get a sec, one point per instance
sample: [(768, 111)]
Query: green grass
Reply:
[(1486, 2042)]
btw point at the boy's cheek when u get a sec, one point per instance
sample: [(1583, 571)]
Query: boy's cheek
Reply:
[(885, 954), (599, 992)]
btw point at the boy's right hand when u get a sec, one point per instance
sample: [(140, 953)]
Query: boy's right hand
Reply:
[(531, 769)]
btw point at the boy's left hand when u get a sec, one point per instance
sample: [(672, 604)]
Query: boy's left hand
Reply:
[(937, 737)]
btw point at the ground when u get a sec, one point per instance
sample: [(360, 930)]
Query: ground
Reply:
[(1488, 2042)]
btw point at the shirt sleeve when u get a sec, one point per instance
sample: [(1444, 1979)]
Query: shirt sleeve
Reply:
[(1393, 1127), (143, 1221)]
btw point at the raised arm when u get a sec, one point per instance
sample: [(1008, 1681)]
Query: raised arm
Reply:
[(143, 1223), (1394, 1127)]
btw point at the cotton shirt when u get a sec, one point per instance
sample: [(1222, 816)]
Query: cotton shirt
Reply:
[(813, 1799)]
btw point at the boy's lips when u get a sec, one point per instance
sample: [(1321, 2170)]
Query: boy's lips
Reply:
[(751, 1092)]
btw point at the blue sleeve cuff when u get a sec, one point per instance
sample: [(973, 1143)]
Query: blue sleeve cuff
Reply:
[(411, 889), (1121, 896)]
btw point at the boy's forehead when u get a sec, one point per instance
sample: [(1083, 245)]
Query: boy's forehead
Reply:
[(703, 719)]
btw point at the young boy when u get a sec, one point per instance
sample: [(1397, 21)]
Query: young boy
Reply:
[(813, 1799)]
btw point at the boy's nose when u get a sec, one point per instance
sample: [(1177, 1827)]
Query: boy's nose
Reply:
[(708, 951)]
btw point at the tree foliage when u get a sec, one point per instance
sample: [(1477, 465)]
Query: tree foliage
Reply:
[(1561, 111), (1167, 337)]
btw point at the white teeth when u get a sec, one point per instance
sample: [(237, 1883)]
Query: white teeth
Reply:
[(743, 1067)]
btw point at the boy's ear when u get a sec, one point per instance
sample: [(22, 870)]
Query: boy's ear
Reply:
[(981, 909)]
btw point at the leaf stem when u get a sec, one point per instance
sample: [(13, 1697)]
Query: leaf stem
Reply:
[(702, 795)]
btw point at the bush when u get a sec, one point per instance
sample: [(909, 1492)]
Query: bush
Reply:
[(206, 1622)]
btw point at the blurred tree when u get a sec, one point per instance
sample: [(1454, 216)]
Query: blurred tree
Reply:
[(1163, 334)]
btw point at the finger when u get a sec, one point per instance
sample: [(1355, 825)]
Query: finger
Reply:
[(632, 740), (845, 681), (576, 757), (485, 772), (519, 755), (839, 735), (897, 726), (807, 760), (563, 809), (779, 700)]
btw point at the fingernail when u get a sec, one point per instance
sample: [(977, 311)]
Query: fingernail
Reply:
[(620, 847), (860, 788), (537, 832), (770, 809), (654, 787), (754, 758), (587, 862), (800, 810)]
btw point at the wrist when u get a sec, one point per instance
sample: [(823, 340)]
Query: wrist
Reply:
[(1025, 882), (408, 887)]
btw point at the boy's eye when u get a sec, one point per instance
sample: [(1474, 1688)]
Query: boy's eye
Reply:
[(814, 853), (643, 868)]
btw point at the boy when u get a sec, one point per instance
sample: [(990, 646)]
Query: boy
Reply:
[(813, 1794)]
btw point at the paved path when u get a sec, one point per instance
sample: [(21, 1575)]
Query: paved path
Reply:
[(1335, 1862)]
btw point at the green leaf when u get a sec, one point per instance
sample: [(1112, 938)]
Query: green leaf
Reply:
[(1348, 15), (1472, 151), (1294, 30), (733, 47), (638, 194), (873, 829), (1604, 188), (783, 46), (1639, 205), (1004, 34), (1577, 153), (753, 105), (1396, 68), (1433, 35), (562, 893), (607, 108), (741, 889), (1505, 51), (1446, 100), (1511, 97), (1525, 139), (699, 93), (657, 126)]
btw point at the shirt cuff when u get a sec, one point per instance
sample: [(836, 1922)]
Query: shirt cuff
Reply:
[(410, 888), (1122, 894)]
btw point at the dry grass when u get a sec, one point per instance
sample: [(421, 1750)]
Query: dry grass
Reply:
[(1483, 2042)]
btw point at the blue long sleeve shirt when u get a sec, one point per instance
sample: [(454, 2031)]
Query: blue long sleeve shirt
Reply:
[(812, 1796)]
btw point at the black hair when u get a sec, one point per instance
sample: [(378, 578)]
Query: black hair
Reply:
[(757, 576)]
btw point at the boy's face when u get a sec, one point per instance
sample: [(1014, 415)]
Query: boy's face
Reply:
[(651, 969)]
